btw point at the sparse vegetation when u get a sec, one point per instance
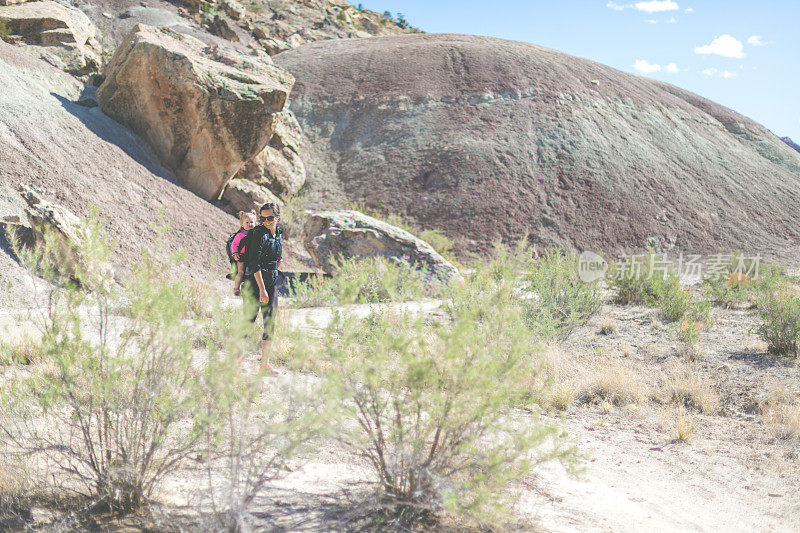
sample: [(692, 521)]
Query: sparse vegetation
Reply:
[(646, 279), (614, 383), (684, 425), (780, 327), (292, 217), (781, 412), (368, 280), (742, 281), (22, 350), (122, 401), (686, 386), (559, 301), (5, 31), (433, 400)]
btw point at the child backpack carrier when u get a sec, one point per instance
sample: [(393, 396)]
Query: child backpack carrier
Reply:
[(229, 244)]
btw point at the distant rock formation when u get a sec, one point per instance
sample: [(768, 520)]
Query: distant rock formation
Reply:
[(490, 139), (791, 143), (205, 111)]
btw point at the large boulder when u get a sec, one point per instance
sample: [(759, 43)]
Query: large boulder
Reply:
[(204, 110), (490, 139), (330, 235), (63, 36), (244, 195), (279, 167)]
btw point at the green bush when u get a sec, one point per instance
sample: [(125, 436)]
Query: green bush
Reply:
[(364, 280), (648, 281), (736, 283), (693, 321), (4, 30), (780, 327), (559, 300), (435, 402), (110, 406)]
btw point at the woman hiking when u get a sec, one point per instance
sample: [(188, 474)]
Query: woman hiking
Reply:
[(263, 255)]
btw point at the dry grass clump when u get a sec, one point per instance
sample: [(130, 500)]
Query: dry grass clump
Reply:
[(687, 387), (613, 382), (23, 350), (781, 412), (684, 425), (14, 485), (608, 328)]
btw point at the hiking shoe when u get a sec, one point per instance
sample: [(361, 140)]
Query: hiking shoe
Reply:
[(237, 292)]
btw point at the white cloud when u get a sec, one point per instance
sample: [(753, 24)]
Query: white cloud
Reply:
[(689, 10), (721, 74), (655, 6), (646, 68), (652, 21), (755, 40), (671, 20), (615, 7), (723, 45), (672, 68)]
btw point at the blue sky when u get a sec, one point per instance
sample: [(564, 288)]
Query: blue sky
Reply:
[(742, 54)]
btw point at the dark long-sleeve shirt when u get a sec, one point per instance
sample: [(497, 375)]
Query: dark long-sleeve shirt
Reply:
[(263, 252)]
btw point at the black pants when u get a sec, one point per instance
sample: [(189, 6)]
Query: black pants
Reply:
[(252, 305)]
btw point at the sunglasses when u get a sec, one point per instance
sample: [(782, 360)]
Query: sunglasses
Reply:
[(269, 218)]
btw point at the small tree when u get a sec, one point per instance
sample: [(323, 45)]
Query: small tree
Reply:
[(435, 403), (110, 405)]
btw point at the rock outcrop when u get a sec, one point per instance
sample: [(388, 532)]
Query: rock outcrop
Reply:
[(55, 141), (279, 167), (62, 36), (59, 229), (205, 111), (280, 25), (790, 143), (490, 139), (244, 195), (330, 235)]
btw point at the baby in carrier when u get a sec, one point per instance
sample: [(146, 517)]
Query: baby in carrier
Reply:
[(236, 248)]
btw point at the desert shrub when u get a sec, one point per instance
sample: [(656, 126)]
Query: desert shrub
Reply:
[(780, 322), (259, 433), (559, 301), (646, 279), (15, 492), (365, 280), (739, 281), (112, 408), (781, 412), (694, 320), (435, 401), (683, 428)]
